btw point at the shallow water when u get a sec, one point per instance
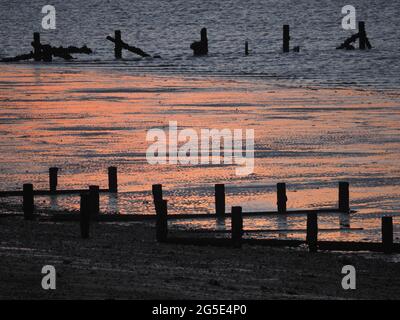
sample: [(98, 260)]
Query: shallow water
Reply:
[(167, 27), (86, 120)]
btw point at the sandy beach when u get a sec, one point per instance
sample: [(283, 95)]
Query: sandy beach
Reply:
[(123, 261)]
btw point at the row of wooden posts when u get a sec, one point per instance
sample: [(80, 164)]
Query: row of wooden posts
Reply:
[(237, 231), (90, 210), (45, 52)]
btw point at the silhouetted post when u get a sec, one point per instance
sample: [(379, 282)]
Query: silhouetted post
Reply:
[(28, 201), (53, 179), (94, 200), (204, 40), (157, 192), (112, 180), (281, 197), (362, 35), (200, 47), (246, 48), (312, 231), (37, 47), (220, 200), (117, 48), (344, 197), (286, 38), (237, 226), (161, 220), (85, 215), (387, 234)]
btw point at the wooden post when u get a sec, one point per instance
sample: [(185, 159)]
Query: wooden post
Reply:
[(37, 47), (204, 40), (246, 48), (85, 215), (94, 200), (112, 180), (220, 200), (117, 48), (161, 220), (237, 226), (53, 179), (344, 197), (362, 35), (157, 192), (286, 38), (28, 201), (312, 231), (387, 234), (281, 197)]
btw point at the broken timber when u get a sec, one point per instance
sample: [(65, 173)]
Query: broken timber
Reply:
[(200, 48), (45, 52), (119, 45), (361, 36)]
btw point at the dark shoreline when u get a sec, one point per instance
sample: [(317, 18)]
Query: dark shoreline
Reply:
[(123, 261)]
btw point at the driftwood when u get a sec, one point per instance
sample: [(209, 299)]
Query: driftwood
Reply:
[(18, 58), (45, 52), (123, 45)]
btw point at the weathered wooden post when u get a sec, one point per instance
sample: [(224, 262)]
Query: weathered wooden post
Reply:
[(362, 35), (387, 234), (118, 47), (344, 197), (53, 179), (237, 226), (312, 231), (281, 197), (28, 204), (37, 47), (246, 48), (161, 220), (220, 200), (94, 200), (112, 180), (286, 38), (157, 192), (200, 47), (85, 215)]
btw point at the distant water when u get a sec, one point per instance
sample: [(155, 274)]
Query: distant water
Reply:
[(167, 27)]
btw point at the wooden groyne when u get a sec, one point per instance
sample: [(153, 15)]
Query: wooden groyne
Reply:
[(53, 184), (237, 231), (46, 52)]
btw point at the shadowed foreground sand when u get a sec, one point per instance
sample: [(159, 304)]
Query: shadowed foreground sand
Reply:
[(123, 261)]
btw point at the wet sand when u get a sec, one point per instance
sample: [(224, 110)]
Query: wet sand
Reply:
[(123, 261)]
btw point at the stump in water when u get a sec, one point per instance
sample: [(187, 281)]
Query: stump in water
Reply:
[(119, 45), (361, 36), (200, 48), (286, 38), (45, 52)]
